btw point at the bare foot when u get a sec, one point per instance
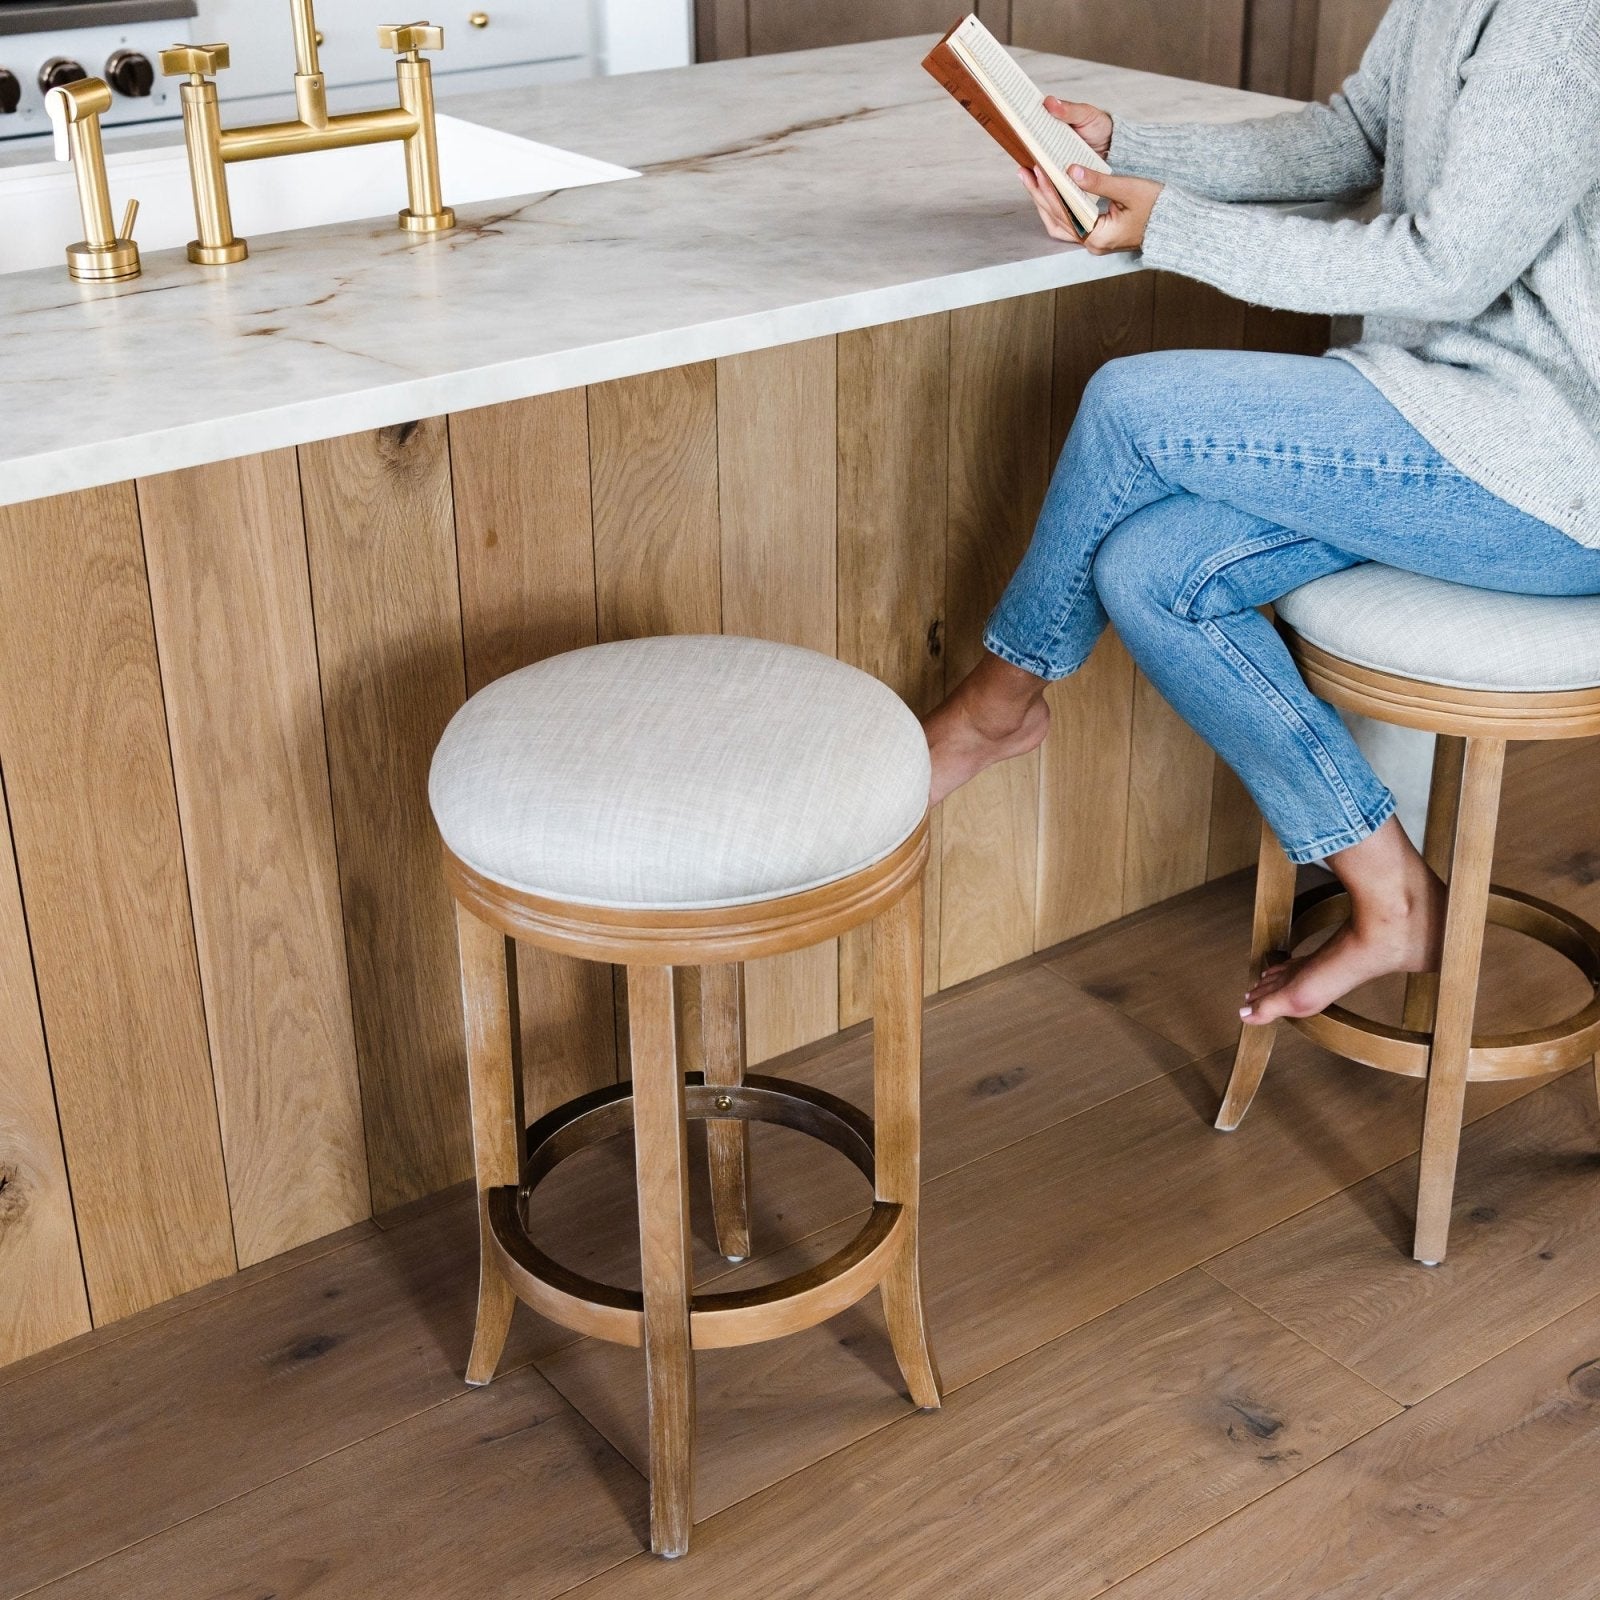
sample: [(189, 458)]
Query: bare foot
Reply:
[(996, 713), (1404, 935)]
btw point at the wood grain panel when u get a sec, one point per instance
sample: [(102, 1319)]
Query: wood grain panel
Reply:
[(1001, 361), (1526, 1250), (388, 616), (1477, 1493), (1281, 47), (1084, 1460), (144, 1432), (525, 542), (721, 29), (782, 25), (1234, 837), (1292, 332), (653, 465), (1084, 764), (231, 594), (45, 1300), (1344, 30), (83, 741), (1200, 39), (777, 449), (894, 443)]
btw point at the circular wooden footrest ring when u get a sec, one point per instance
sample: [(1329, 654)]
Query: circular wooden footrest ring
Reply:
[(1533, 1053), (716, 1320)]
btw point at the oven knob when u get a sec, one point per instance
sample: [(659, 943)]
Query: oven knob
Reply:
[(131, 74), (58, 72), (10, 92)]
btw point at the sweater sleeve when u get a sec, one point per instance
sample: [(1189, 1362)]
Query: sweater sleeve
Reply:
[(1522, 149), (1320, 152)]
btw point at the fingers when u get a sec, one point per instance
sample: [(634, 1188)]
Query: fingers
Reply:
[(1052, 213), (1074, 112), (1123, 190)]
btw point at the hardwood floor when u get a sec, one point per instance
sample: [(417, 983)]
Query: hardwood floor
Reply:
[(1180, 1364)]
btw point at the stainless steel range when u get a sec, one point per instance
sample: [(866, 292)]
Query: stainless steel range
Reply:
[(45, 45)]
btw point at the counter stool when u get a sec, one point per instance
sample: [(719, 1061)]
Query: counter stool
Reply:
[(667, 803), (1476, 668)]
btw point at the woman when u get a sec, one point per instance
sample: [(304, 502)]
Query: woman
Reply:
[(1460, 439)]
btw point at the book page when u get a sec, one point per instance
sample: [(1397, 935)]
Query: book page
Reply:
[(1023, 101)]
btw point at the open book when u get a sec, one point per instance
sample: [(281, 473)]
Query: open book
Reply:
[(978, 70)]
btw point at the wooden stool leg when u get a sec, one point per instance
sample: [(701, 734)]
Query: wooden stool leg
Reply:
[(727, 1138), (662, 1156), (897, 1109), (1470, 861), (1444, 807), (494, 1072), (1269, 936)]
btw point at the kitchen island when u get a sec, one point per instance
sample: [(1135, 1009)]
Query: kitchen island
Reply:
[(263, 528)]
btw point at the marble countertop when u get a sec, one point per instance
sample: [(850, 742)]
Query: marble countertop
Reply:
[(782, 198)]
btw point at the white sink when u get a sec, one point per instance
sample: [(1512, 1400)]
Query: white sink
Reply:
[(39, 209)]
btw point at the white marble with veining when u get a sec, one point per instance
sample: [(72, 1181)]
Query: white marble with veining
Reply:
[(782, 198)]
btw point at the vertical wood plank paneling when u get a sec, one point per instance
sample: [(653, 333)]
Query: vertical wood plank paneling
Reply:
[(1344, 30), (653, 464), (388, 617), (83, 742), (44, 1300), (1202, 39), (1001, 359), (894, 443), (657, 537), (231, 594), (777, 448), (525, 537), (1281, 47), (1084, 764)]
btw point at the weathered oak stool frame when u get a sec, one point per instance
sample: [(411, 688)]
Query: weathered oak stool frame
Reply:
[(1435, 1040), (668, 1318)]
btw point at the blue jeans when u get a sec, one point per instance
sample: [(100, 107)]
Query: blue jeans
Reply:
[(1198, 485)]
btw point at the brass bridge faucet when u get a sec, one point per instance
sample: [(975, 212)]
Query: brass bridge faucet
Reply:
[(211, 146)]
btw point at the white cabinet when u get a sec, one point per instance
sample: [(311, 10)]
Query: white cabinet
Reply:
[(517, 32)]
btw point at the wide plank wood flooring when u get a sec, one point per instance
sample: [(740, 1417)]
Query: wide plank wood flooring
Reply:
[(1179, 1364)]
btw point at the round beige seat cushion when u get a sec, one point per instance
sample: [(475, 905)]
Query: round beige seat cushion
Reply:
[(1447, 634), (679, 773)]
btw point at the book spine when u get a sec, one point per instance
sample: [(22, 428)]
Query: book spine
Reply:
[(944, 66)]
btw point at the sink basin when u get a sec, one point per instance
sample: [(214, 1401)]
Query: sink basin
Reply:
[(39, 209)]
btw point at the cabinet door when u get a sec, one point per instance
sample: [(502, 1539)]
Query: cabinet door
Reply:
[(808, 24), (1201, 39)]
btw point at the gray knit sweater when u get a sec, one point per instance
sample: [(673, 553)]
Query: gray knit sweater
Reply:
[(1480, 279)]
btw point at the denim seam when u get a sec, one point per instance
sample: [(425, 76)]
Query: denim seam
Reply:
[(1042, 658), (1192, 449), (1304, 855), (1227, 558), (1258, 680)]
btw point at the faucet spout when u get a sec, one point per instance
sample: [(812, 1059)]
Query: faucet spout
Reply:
[(310, 87)]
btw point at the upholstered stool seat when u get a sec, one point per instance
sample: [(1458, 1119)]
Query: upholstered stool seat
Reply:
[(1448, 634), (1477, 669), (683, 772), (682, 806)]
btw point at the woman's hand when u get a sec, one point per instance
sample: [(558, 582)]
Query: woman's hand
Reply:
[(1119, 229), (1090, 123)]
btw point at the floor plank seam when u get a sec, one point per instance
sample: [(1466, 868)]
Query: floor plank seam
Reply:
[(218, 1290), (305, 1466)]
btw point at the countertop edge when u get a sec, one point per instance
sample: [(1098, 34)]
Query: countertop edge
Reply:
[(204, 443)]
